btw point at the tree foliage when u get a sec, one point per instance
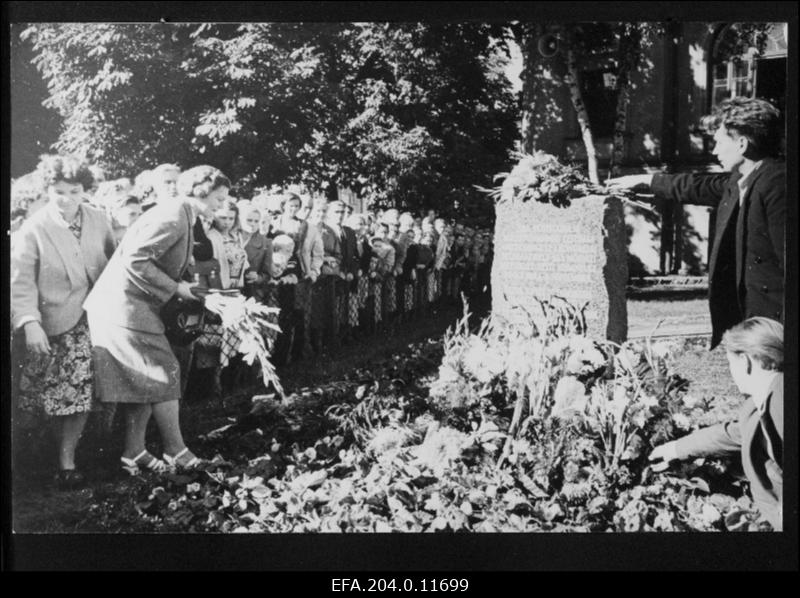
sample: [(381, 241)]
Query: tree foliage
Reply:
[(408, 114), (33, 127)]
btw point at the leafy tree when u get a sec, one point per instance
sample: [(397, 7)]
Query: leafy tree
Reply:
[(33, 127), (409, 114)]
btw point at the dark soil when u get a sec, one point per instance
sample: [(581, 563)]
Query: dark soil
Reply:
[(39, 507)]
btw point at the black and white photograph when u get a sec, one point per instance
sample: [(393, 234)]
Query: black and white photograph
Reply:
[(293, 274)]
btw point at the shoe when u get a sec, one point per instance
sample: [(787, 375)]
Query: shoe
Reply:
[(174, 463), (70, 479), (132, 466)]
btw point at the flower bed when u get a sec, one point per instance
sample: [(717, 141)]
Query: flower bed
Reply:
[(533, 428)]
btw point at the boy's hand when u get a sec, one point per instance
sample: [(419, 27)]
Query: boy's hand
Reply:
[(663, 455), (633, 182)]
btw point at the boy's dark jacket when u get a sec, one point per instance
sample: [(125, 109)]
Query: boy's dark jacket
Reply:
[(746, 262), (750, 435)]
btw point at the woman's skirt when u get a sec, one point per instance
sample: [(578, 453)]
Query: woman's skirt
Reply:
[(354, 304), (132, 366), (59, 383), (376, 290), (408, 294)]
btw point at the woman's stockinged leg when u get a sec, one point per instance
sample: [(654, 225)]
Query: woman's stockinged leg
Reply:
[(167, 418), (71, 428), (137, 417)]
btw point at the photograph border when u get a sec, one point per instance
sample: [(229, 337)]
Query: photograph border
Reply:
[(472, 552)]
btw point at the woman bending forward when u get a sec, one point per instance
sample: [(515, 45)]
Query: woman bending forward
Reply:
[(134, 363)]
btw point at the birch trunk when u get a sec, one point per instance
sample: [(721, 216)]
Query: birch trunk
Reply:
[(583, 117)]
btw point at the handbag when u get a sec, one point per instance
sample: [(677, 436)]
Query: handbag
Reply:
[(331, 266), (206, 272), (183, 321)]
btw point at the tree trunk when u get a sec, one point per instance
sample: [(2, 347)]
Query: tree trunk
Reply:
[(620, 122), (628, 50), (572, 81), (527, 41)]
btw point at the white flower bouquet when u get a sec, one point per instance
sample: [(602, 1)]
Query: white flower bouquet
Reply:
[(248, 320)]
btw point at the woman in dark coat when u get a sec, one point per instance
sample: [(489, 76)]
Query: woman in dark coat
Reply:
[(134, 363), (258, 248)]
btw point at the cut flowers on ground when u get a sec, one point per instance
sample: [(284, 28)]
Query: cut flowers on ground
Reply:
[(496, 428)]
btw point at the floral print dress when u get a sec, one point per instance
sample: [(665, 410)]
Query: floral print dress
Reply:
[(60, 383), (236, 257)]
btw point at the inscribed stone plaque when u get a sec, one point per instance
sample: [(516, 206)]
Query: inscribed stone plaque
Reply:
[(577, 253)]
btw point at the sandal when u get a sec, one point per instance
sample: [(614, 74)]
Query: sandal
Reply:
[(174, 464), (133, 468)]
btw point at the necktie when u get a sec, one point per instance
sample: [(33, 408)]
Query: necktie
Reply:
[(741, 240), (772, 439)]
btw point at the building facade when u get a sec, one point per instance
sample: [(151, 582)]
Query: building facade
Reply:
[(682, 75)]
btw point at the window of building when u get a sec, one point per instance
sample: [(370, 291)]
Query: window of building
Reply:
[(733, 78), (599, 90), (739, 69)]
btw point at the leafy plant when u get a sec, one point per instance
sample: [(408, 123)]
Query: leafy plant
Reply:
[(383, 459), (539, 177), (542, 177)]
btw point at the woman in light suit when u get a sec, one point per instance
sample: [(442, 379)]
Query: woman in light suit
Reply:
[(56, 257), (134, 363)]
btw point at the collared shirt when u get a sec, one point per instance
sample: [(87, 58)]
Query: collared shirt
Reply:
[(745, 180), (205, 222), (73, 225), (337, 229)]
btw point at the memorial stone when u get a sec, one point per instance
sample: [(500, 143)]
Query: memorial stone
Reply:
[(577, 253)]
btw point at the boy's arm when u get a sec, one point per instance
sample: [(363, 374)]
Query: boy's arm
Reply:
[(717, 440), (689, 188)]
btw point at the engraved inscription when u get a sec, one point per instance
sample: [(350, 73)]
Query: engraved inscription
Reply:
[(577, 253)]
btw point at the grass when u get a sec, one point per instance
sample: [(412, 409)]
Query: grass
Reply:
[(707, 371), (710, 380), (642, 311), (680, 317)]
